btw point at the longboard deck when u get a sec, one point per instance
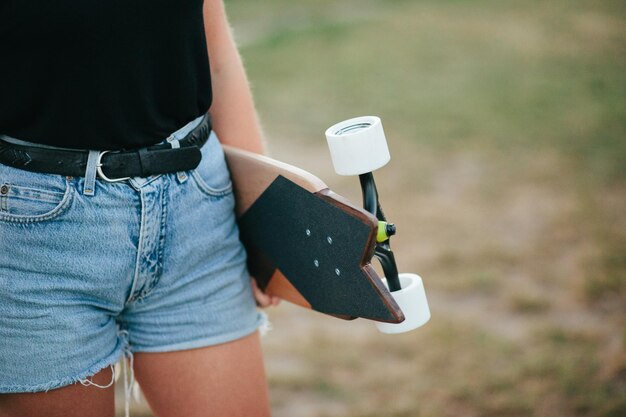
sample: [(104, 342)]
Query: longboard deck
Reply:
[(306, 244)]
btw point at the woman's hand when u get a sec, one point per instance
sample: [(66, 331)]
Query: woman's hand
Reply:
[(263, 300)]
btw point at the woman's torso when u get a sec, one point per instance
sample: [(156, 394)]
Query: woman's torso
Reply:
[(114, 74)]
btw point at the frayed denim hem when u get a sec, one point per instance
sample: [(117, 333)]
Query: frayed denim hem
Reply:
[(82, 378), (261, 324)]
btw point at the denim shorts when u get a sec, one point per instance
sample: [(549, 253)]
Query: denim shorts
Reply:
[(145, 265)]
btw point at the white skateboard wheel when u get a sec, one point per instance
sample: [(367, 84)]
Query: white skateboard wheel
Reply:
[(412, 301), (357, 146)]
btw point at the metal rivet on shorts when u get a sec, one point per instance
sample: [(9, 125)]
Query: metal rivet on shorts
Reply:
[(330, 240), (308, 232), (316, 263), (4, 189), (337, 271)]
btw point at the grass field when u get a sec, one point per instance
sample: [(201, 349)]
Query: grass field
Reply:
[(507, 126)]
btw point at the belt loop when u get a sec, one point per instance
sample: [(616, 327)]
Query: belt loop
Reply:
[(180, 175), (89, 187)]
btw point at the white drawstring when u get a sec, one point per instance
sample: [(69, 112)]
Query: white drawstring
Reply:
[(88, 382), (129, 379)]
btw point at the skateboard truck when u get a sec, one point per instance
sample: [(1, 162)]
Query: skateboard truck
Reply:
[(358, 147)]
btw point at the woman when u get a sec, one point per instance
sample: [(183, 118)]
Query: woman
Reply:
[(94, 266)]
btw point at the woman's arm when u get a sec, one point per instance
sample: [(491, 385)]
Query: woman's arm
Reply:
[(234, 117)]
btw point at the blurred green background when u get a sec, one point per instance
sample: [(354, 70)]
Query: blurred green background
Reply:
[(506, 122)]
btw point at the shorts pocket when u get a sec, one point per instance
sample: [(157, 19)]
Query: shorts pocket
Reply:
[(212, 176), (31, 196)]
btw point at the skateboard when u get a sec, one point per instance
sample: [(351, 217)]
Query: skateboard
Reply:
[(314, 248)]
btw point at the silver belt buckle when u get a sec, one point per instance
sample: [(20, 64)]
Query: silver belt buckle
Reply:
[(101, 174)]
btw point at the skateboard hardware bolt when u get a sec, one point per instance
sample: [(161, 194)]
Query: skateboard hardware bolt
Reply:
[(308, 232), (330, 240), (316, 263), (337, 271)]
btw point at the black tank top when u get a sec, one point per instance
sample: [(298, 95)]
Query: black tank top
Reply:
[(101, 74)]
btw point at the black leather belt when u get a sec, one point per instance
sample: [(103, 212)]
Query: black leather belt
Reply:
[(111, 165)]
